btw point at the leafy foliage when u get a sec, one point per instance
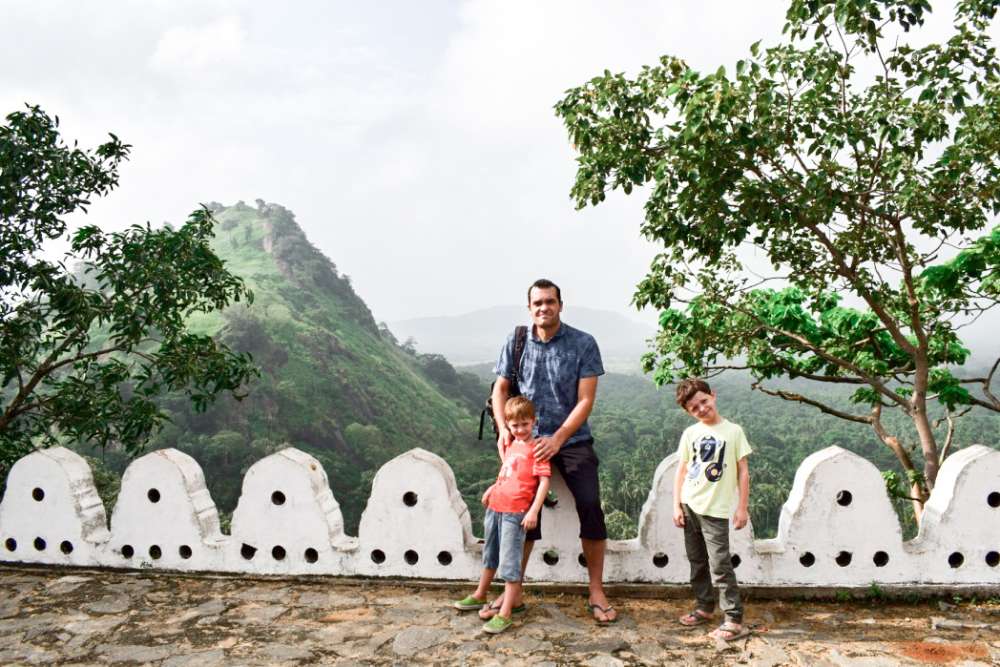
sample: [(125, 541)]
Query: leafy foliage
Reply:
[(853, 161), (83, 358)]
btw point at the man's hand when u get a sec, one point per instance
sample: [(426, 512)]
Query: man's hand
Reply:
[(678, 516), (504, 440), (530, 520), (740, 518), (546, 448)]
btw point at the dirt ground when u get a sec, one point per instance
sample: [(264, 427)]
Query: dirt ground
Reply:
[(103, 617)]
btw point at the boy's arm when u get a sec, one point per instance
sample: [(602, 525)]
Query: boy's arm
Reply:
[(531, 516), (548, 446), (682, 467), (742, 508)]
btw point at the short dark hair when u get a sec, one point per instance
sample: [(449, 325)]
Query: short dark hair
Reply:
[(544, 283), (688, 387)]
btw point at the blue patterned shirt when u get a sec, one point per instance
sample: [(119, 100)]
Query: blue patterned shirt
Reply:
[(550, 375)]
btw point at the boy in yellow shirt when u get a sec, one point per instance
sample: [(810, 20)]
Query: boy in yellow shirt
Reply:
[(712, 479)]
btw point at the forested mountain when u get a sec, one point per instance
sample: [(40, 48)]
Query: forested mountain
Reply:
[(333, 383)]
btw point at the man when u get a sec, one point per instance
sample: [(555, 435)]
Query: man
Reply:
[(559, 370)]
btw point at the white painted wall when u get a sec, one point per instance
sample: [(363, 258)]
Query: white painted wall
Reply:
[(416, 524)]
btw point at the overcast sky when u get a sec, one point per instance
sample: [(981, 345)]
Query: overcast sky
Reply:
[(415, 141)]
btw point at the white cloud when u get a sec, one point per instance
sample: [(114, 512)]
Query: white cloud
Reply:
[(186, 48)]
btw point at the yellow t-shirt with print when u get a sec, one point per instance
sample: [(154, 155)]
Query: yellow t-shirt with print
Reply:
[(711, 486)]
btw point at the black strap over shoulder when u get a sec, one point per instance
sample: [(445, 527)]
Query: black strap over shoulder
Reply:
[(520, 340)]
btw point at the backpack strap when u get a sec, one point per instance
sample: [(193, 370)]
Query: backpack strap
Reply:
[(520, 339)]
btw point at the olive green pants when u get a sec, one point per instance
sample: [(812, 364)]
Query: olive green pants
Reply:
[(706, 540)]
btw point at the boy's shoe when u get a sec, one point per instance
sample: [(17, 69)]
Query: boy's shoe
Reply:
[(497, 624), (490, 610), (468, 603)]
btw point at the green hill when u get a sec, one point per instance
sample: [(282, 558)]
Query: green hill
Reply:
[(333, 383)]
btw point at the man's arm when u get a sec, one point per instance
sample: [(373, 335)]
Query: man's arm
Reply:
[(530, 519), (549, 446), (501, 392), (742, 509), (682, 467)]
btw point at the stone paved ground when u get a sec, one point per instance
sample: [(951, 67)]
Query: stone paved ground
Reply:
[(102, 617)]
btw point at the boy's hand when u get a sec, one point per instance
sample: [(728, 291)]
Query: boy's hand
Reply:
[(530, 520), (740, 518), (486, 497), (678, 517)]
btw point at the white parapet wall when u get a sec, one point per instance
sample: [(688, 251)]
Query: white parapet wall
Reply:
[(837, 528)]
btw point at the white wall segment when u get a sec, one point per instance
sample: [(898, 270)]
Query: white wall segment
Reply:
[(416, 523), (51, 512), (287, 520), (164, 516), (959, 539), (837, 527)]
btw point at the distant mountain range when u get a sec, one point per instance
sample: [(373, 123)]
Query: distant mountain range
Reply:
[(477, 337)]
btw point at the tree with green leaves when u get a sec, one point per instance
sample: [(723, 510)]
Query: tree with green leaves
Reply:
[(88, 343), (863, 165)]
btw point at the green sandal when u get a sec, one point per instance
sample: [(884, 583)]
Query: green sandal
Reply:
[(497, 624), (468, 603), (493, 609)]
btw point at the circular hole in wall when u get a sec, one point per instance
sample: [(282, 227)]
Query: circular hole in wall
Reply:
[(844, 558), (735, 560), (39, 544), (444, 557), (409, 499), (247, 551), (155, 552), (278, 498), (411, 557), (153, 495), (551, 557), (66, 547), (582, 560), (881, 559), (127, 551), (38, 494), (378, 556), (278, 552), (993, 559), (956, 559), (994, 499), (10, 543), (551, 499), (311, 555), (807, 559), (844, 498), (660, 559), (184, 551)]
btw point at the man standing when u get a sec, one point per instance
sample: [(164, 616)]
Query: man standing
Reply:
[(559, 370)]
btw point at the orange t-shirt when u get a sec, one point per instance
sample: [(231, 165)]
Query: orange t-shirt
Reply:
[(518, 479)]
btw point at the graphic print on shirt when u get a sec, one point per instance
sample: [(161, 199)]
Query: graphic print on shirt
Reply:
[(509, 466), (711, 452)]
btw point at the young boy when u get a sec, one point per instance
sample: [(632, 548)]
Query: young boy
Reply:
[(712, 479), (512, 506)]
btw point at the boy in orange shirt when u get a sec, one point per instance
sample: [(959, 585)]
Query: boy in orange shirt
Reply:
[(512, 506)]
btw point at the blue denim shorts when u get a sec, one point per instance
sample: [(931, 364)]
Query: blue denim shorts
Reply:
[(504, 543)]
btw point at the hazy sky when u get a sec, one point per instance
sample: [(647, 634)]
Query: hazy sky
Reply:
[(415, 141)]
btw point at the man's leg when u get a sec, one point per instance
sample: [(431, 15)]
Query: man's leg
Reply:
[(578, 466)]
